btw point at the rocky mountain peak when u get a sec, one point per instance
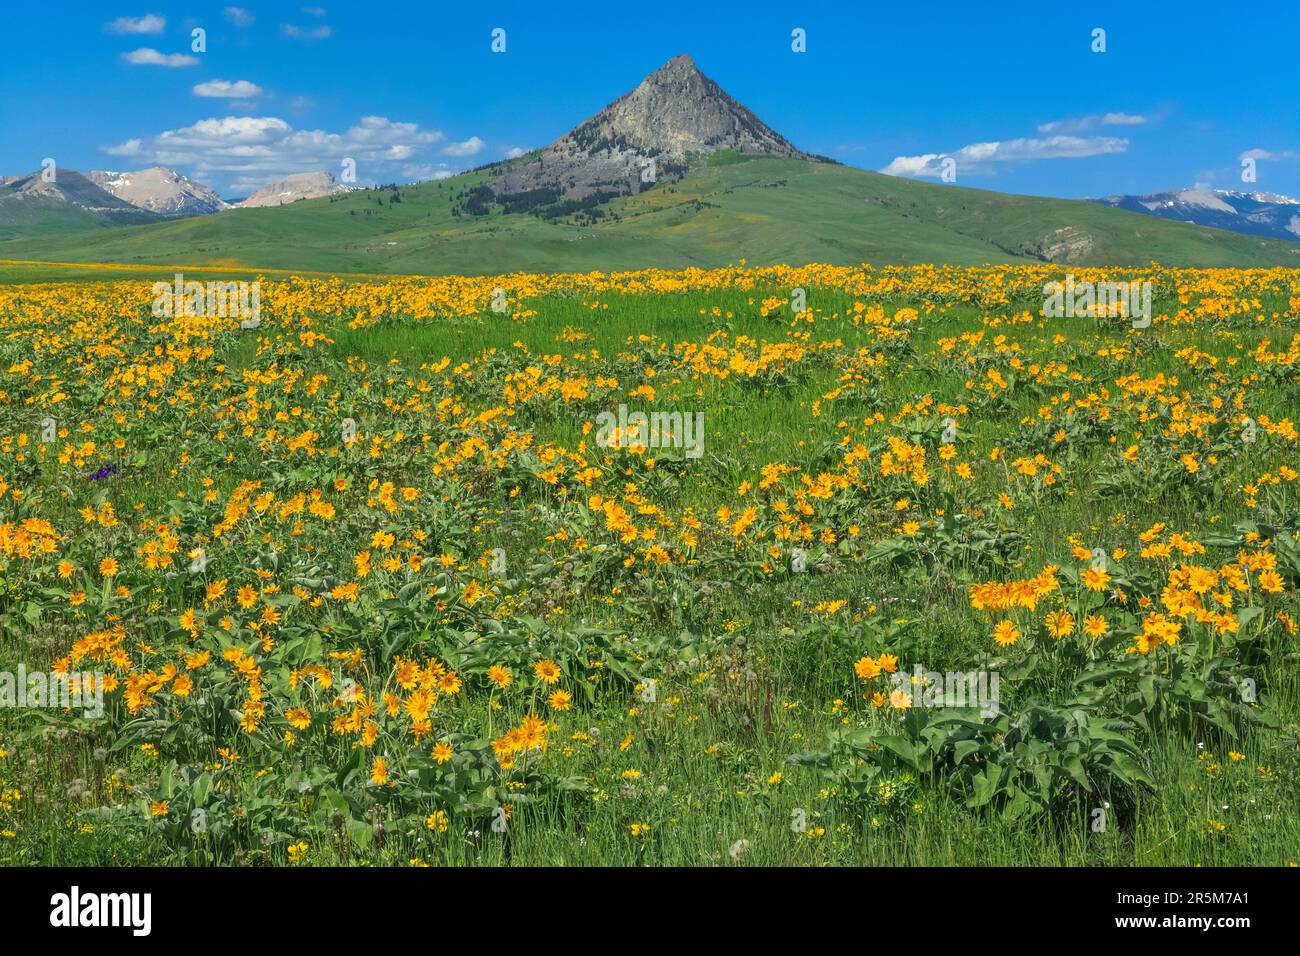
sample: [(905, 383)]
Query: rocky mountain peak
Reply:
[(645, 136), (310, 185), (160, 190)]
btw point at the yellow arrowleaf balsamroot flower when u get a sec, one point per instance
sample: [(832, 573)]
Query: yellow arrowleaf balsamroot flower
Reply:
[(1006, 633), (547, 671)]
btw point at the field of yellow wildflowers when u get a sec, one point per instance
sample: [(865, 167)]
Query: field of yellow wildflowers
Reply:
[(738, 567)]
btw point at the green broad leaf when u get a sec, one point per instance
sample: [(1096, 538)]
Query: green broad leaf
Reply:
[(350, 767), (1017, 806), (889, 548), (167, 780), (31, 612), (1147, 688), (1248, 614), (335, 800), (963, 749), (1217, 716), (359, 832), (1127, 769), (201, 789), (901, 748), (1096, 675), (985, 785), (1074, 767)]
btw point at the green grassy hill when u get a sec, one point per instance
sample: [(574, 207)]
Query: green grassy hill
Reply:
[(30, 218), (765, 210), (67, 205)]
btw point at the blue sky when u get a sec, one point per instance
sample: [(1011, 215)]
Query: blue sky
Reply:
[(410, 91)]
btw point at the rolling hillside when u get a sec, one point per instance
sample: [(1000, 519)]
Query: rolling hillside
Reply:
[(766, 210)]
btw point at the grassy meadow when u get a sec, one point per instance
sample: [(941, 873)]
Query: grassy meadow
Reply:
[(366, 583)]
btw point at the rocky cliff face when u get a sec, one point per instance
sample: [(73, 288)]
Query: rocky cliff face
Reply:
[(160, 190), (69, 188), (645, 136), (292, 188)]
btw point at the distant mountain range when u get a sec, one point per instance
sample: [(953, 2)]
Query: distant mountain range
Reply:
[(673, 173), (1256, 214), (160, 190), (64, 200)]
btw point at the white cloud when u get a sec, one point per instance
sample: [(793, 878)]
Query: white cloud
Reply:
[(149, 23), (131, 147), (1082, 124), (981, 157), (514, 152), (306, 33), (249, 151), (147, 57), (224, 89), (424, 171), (1269, 154), (238, 16), (469, 147)]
